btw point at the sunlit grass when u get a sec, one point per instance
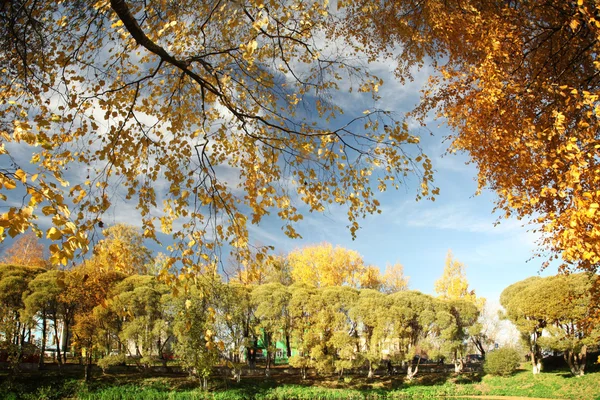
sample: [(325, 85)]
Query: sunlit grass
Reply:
[(133, 386), (560, 384)]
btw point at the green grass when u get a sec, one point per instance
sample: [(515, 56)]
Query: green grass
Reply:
[(557, 384), (134, 386)]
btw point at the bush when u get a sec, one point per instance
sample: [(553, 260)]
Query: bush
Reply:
[(502, 362), (111, 361)]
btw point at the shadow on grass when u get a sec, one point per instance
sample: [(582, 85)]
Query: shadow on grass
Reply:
[(69, 382)]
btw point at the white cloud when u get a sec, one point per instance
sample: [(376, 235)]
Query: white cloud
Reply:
[(457, 216)]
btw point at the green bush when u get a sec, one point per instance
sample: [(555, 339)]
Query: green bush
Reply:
[(111, 361), (502, 362)]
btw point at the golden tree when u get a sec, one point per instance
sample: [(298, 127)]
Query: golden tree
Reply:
[(26, 251), (518, 82), (323, 265), (393, 279), (114, 98), (453, 284), (123, 250)]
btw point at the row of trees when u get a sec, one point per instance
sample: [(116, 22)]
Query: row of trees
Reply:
[(112, 304), (332, 328), (333, 318)]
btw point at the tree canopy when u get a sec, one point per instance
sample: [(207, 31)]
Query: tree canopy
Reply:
[(518, 83), (205, 116), (554, 312), (26, 250)]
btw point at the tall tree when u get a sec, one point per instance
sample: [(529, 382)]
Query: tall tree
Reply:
[(271, 303), (518, 83), (14, 285), (560, 305), (454, 286), (324, 265), (197, 346), (188, 93), (26, 250), (369, 313), (42, 302), (235, 324), (530, 327), (86, 287), (304, 305), (123, 249), (142, 307), (393, 279), (453, 320), (453, 283), (411, 321)]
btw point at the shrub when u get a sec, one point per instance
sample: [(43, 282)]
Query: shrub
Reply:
[(502, 362), (110, 361)]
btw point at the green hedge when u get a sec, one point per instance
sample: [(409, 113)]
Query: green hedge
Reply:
[(502, 362)]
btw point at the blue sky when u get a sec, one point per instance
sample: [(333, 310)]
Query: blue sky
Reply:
[(419, 234)]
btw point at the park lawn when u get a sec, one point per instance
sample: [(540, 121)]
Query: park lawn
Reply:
[(552, 385), (127, 385)]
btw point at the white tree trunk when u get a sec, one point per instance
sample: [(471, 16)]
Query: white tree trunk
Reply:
[(458, 366), (237, 374), (370, 374), (410, 373)]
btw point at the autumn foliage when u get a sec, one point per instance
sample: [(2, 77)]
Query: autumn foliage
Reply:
[(518, 83), (191, 112)]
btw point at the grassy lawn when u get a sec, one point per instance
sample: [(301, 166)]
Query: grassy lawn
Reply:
[(128, 384), (557, 384)]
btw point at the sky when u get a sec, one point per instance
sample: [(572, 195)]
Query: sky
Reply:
[(416, 234), (419, 235)]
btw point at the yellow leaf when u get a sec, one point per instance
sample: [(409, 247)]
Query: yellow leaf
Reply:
[(9, 184), (53, 234), (21, 175)]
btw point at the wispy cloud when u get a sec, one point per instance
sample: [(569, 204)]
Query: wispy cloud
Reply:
[(460, 217)]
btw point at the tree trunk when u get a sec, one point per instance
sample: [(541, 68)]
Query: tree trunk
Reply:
[(288, 346), (268, 364), (65, 340), (370, 374), (57, 340), (43, 344), (22, 342), (22, 336), (458, 365), (536, 354), (88, 367), (536, 363), (410, 373), (576, 361)]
